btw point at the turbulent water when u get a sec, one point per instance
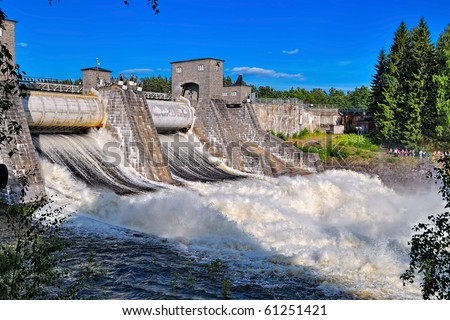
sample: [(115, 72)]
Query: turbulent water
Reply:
[(83, 156), (334, 235), (189, 161)]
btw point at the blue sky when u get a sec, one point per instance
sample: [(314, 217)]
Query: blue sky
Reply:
[(282, 44)]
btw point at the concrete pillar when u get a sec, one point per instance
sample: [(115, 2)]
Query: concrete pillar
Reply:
[(8, 37)]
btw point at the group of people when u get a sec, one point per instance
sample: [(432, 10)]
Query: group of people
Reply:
[(438, 154), (422, 154)]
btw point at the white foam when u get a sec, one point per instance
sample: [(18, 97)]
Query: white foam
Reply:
[(347, 227)]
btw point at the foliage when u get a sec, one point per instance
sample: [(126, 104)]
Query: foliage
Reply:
[(339, 146), (301, 134), (32, 253), (337, 97), (378, 83), (29, 259), (305, 133), (8, 89), (358, 98), (430, 245), (227, 81), (278, 135), (441, 81), (281, 136), (156, 84), (410, 88)]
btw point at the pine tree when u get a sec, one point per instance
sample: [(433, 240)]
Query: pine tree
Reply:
[(420, 89), (441, 81), (398, 73), (385, 120), (377, 86)]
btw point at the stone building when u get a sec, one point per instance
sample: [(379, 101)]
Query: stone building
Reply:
[(237, 93), (203, 79), (94, 77), (197, 79)]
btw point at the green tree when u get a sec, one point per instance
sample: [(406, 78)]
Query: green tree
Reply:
[(359, 98), (378, 83), (156, 84), (384, 116), (378, 107), (441, 81), (337, 97), (301, 94), (227, 81), (398, 75), (268, 92), (419, 108), (319, 96), (430, 245)]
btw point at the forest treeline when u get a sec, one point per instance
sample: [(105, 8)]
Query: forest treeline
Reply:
[(410, 98)]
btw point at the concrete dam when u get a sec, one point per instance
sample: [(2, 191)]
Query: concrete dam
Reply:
[(163, 141), (113, 135)]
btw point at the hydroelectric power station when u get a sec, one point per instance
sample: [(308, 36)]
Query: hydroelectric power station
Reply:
[(203, 131)]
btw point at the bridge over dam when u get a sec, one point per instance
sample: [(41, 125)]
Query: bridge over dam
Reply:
[(116, 136)]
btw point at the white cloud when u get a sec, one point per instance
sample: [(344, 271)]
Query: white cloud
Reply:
[(267, 73), (291, 52), (22, 44), (137, 70)]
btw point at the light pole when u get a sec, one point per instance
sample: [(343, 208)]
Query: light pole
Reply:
[(359, 131), (97, 64)]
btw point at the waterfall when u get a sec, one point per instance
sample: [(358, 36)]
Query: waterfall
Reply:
[(84, 157), (189, 161)]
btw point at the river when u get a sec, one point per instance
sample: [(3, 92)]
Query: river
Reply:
[(334, 235)]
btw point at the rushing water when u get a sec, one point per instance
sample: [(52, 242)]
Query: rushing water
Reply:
[(83, 156), (334, 235), (189, 161)]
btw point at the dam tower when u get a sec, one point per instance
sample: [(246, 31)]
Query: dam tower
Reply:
[(17, 152), (197, 79)]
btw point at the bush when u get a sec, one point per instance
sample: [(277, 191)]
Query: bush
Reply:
[(301, 134), (281, 136), (430, 245)]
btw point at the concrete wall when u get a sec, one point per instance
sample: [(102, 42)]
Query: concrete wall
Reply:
[(292, 118), (22, 163), (236, 135), (130, 121)]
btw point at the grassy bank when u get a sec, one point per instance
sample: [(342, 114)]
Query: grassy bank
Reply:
[(332, 147), (359, 153)]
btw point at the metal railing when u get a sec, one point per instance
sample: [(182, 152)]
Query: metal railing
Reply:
[(54, 87), (278, 100), (156, 95), (307, 105), (48, 84)]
